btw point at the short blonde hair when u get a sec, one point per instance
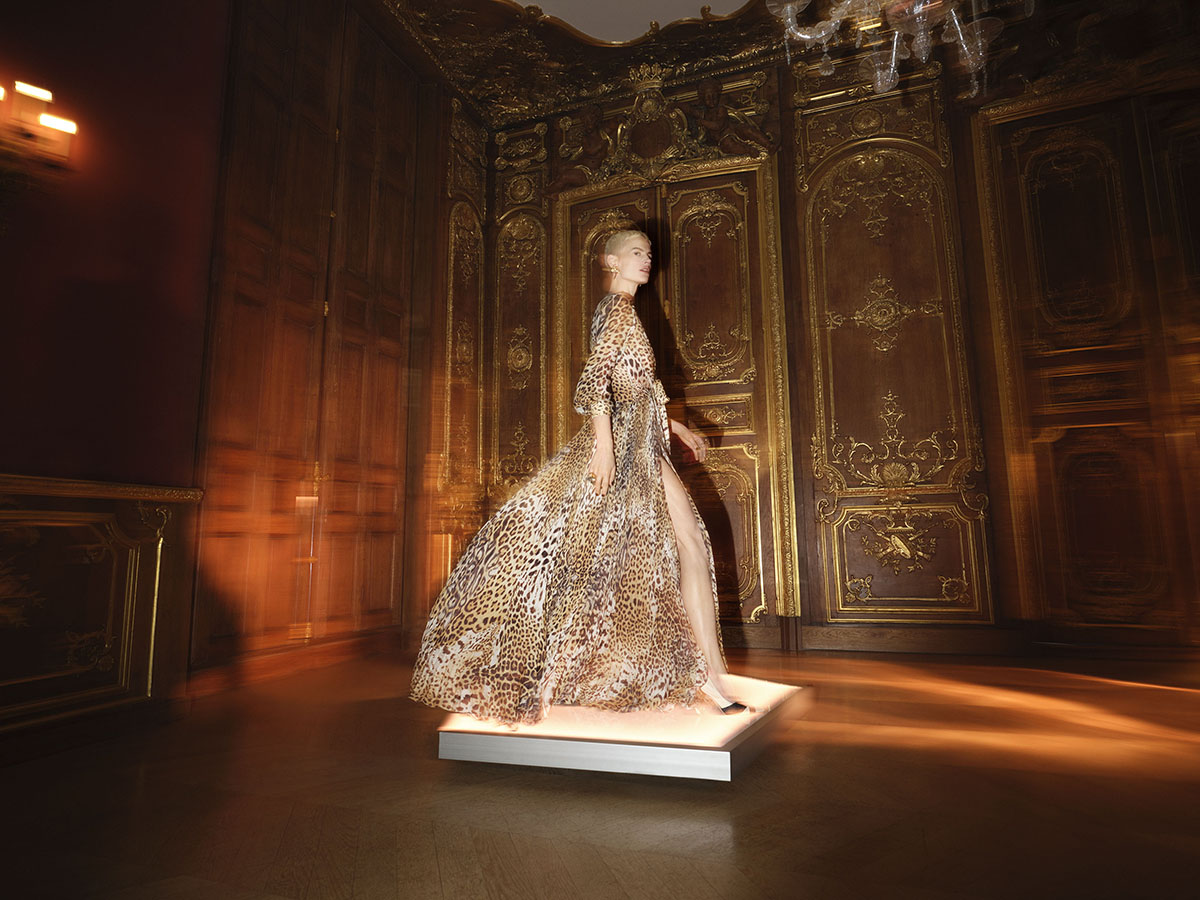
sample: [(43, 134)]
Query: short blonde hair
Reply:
[(617, 240)]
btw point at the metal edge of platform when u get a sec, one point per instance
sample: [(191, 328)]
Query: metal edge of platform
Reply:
[(587, 756), (752, 740), (625, 757)]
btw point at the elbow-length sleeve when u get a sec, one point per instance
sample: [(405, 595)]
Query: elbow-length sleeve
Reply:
[(610, 327)]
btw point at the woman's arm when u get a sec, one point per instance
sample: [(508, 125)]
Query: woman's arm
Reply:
[(593, 394), (603, 466), (694, 442)]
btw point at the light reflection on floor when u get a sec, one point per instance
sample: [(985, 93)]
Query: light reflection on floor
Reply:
[(1088, 723), (920, 778)]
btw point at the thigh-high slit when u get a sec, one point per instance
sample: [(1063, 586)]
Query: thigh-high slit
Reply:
[(695, 586)]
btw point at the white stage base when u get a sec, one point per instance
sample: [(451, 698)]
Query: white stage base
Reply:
[(678, 743)]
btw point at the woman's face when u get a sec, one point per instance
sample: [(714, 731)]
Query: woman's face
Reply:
[(633, 262)]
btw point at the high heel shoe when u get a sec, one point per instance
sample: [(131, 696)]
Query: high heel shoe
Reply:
[(728, 707)]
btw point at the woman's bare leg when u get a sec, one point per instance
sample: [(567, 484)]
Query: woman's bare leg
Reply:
[(694, 583)]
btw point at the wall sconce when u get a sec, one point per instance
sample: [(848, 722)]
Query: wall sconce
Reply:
[(30, 134)]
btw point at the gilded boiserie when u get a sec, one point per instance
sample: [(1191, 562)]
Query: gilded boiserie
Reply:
[(896, 448)]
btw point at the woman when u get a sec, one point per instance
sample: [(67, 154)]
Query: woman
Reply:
[(594, 584)]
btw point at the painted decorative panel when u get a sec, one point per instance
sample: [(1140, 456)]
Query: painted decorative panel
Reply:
[(1091, 315), (93, 596), (462, 452), (519, 426), (896, 449)]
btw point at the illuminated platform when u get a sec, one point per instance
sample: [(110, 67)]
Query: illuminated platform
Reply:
[(679, 743)]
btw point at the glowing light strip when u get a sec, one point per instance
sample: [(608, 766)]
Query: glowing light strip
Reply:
[(30, 91), (58, 124)]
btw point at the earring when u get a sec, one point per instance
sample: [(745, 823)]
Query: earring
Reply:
[(612, 270)]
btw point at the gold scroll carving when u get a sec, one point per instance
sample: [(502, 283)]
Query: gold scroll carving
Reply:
[(726, 486), (883, 313), (520, 336), (462, 462), (521, 169), (868, 181), (467, 159), (846, 114), (901, 523), (718, 355)]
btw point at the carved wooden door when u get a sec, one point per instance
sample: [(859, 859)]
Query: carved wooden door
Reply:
[(308, 361), (359, 530), (712, 313), (266, 331), (1092, 329)]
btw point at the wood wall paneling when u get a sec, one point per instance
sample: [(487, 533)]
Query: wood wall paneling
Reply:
[(518, 322), (455, 474), (307, 415), (266, 349), (364, 426), (1093, 325), (896, 444), (92, 613)]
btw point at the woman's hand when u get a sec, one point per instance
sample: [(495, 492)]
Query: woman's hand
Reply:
[(602, 469), (694, 442)]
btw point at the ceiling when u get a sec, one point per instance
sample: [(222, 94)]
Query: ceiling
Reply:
[(619, 21), (521, 62)]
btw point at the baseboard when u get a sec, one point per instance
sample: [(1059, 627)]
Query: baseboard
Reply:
[(750, 636), (267, 665), (987, 640), (40, 738)]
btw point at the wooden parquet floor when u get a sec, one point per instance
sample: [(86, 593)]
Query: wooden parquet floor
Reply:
[(910, 778)]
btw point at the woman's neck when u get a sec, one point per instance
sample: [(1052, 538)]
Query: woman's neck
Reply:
[(622, 286)]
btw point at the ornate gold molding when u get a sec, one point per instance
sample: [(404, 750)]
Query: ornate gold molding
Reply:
[(898, 537), (467, 160), (726, 476), (520, 249), (712, 359), (520, 306), (883, 312), (519, 359), (523, 65), (463, 362), (898, 475), (893, 466), (865, 180), (854, 114), (70, 487), (517, 463)]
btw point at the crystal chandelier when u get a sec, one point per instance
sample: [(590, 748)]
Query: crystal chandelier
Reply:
[(900, 29)]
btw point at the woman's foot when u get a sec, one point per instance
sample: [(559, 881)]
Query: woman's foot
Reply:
[(727, 706)]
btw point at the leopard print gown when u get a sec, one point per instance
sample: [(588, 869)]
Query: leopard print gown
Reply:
[(565, 596)]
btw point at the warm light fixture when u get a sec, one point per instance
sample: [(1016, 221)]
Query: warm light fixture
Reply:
[(57, 124), (36, 92), (31, 134)]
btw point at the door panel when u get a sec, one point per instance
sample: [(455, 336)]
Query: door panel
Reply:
[(309, 367), (359, 527), (714, 323), (265, 362)]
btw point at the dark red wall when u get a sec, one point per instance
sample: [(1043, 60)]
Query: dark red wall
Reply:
[(104, 273)]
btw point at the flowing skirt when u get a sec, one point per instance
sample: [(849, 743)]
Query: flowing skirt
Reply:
[(567, 597)]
